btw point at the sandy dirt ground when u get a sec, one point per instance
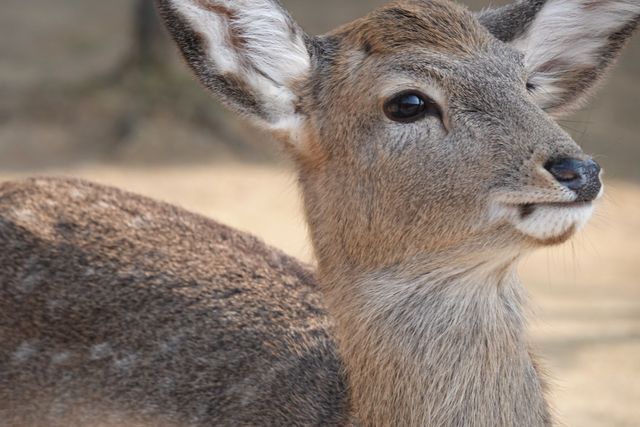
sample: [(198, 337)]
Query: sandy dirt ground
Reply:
[(585, 295)]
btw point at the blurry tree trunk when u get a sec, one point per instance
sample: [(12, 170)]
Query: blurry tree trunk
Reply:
[(150, 44), (146, 61)]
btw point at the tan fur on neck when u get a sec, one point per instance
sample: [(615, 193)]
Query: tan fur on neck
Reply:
[(438, 346)]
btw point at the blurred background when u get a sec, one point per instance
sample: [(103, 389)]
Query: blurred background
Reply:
[(95, 89)]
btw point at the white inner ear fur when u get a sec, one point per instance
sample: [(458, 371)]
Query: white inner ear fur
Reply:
[(571, 32), (270, 57)]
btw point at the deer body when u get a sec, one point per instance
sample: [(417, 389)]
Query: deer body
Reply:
[(429, 163), (190, 328)]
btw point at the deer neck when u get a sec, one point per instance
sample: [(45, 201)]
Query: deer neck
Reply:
[(427, 346)]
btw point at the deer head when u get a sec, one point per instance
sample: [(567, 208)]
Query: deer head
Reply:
[(421, 127)]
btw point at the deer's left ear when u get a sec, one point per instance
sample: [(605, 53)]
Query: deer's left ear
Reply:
[(568, 44)]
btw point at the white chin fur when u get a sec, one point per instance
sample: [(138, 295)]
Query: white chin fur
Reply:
[(552, 221)]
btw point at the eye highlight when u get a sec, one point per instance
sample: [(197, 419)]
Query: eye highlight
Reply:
[(411, 106)]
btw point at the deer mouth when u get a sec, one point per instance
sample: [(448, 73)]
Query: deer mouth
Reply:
[(528, 209), (552, 223)]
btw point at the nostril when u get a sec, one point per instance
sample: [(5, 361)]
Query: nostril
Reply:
[(581, 176), (569, 172), (565, 175)]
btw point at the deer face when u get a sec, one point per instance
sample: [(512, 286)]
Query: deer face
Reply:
[(420, 128)]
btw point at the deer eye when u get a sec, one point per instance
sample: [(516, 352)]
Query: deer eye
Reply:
[(411, 106)]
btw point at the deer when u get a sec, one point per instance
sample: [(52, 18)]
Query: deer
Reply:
[(430, 162)]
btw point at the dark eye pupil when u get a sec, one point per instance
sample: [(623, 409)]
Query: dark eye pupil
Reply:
[(409, 107)]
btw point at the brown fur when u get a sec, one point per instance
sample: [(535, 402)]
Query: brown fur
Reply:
[(116, 310), (438, 26)]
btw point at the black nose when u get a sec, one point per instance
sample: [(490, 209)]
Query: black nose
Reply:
[(581, 176)]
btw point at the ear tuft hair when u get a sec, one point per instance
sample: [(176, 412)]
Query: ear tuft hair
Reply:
[(568, 44), (250, 53)]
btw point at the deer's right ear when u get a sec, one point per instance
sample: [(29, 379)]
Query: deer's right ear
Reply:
[(249, 53)]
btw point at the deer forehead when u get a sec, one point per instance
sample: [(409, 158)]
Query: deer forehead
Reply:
[(439, 26)]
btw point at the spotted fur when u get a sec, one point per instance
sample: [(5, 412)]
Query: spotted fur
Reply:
[(119, 311)]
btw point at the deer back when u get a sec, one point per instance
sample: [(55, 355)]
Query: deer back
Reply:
[(118, 310)]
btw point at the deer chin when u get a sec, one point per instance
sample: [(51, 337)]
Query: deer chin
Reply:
[(551, 223)]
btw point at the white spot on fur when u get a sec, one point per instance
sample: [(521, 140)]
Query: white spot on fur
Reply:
[(104, 205), (126, 363), (24, 215), (139, 222), (100, 351), (60, 358), (76, 194), (171, 345), (31, 281), (25, 351)]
